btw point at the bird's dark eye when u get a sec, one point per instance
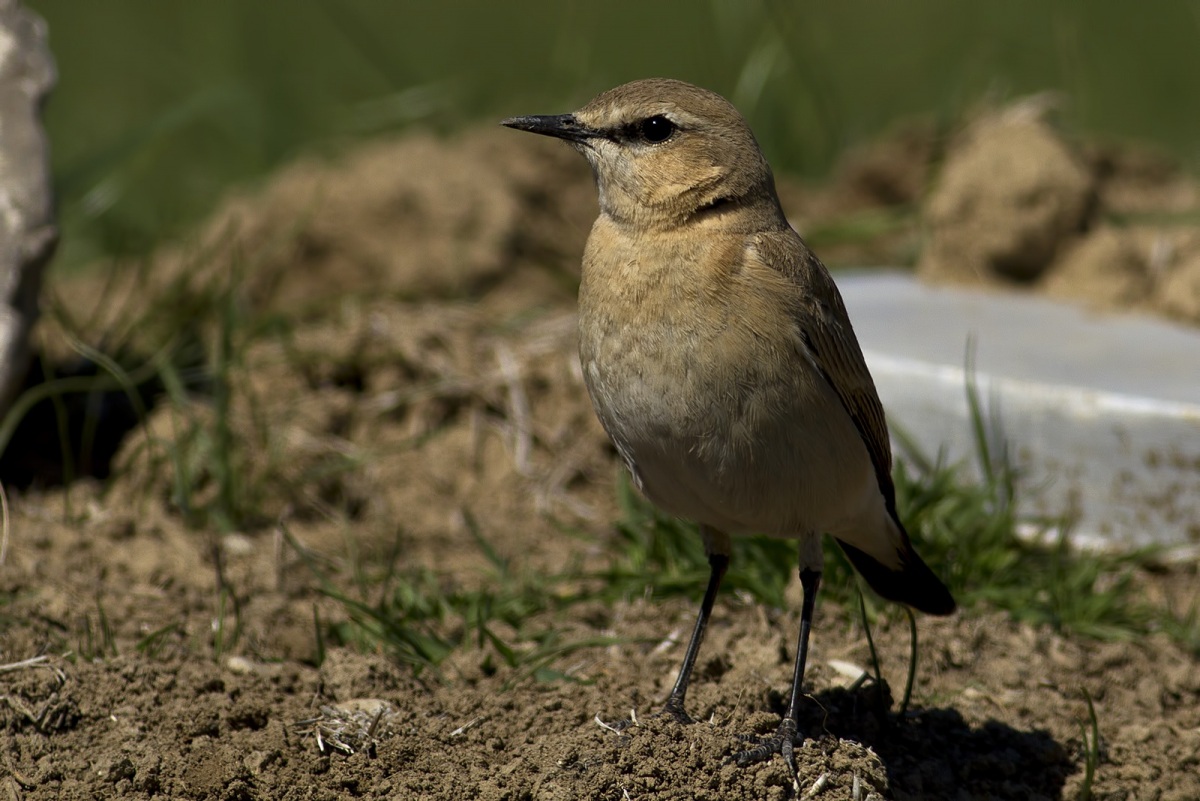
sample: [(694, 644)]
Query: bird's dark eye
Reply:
[(657, 129)]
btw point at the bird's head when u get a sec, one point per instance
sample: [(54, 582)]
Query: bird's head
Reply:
[(666, 153)]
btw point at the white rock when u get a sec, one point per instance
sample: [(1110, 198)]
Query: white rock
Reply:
[(1101, 410)]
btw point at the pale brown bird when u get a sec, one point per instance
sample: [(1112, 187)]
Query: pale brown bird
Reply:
[(720, 359)]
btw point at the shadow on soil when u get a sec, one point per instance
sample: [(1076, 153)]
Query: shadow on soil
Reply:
[(73, 426), (936, 754)]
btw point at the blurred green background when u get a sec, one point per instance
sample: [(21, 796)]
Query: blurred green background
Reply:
[(161, 106)]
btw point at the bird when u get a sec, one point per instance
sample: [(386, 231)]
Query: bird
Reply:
[(720, 359)]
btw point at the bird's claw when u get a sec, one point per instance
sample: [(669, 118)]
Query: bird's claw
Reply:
[(783, 742)]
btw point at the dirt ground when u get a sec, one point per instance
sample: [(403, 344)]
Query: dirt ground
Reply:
[(429, 387)]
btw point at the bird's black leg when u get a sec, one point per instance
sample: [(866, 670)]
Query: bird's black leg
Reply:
[(718, 563), (717, 545), (784, 740)]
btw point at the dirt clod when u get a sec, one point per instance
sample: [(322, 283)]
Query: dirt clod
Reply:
[(1105, 269), (1018, 205), (1010, 193)]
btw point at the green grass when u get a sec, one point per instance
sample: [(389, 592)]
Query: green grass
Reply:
[(420, 618), (96, 639), (656, 553)]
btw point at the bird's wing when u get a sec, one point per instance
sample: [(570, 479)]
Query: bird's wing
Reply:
[(829, 341), (824, 326)]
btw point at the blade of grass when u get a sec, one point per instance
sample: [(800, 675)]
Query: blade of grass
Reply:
[(1091, 748)]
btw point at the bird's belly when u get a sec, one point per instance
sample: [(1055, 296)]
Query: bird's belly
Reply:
[(740, 444)]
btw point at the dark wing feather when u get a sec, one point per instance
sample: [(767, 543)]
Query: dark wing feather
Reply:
[(830, 339)]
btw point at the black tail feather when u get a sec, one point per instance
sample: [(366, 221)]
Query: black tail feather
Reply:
[(914, 584)]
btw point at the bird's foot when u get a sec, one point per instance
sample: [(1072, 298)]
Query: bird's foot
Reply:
[(673, 710), (783, 742)]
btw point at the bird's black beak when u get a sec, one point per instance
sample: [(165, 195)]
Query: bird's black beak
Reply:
[(560, 126)]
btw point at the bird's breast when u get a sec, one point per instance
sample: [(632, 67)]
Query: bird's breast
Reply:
[(659, 343)]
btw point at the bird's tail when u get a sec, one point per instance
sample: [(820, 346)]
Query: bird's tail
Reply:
[(913, 584)]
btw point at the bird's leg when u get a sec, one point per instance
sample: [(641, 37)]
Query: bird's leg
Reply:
[(718, 547), (784, 741), (718, 563)]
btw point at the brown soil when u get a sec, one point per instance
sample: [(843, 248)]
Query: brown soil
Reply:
[(430, 388)]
